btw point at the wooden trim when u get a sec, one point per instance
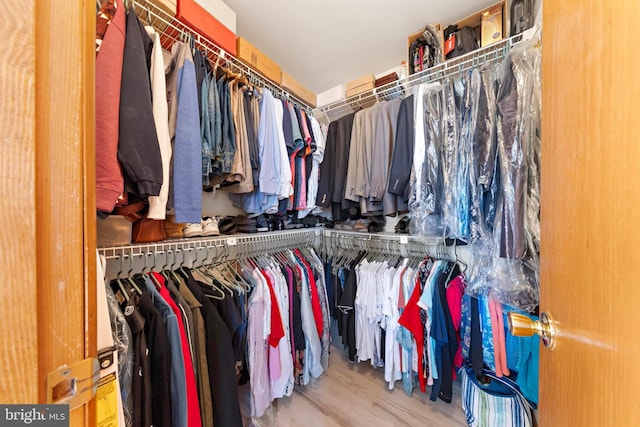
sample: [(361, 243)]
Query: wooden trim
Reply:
[(64, 135), (19, 337), (89, 191)]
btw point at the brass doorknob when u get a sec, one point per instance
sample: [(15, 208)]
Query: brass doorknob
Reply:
[(523, 326)]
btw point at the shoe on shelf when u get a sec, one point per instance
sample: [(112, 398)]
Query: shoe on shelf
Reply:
[(262, 223), (376, 227), (402, 227), (361, 225), (193, 229), (276, 223), (227, 225), (173, 229), (210, 226)]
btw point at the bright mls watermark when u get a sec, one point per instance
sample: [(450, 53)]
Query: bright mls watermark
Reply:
[(34, 415)]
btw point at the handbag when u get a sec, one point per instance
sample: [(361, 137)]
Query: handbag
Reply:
[(493, 401), (147, 230)]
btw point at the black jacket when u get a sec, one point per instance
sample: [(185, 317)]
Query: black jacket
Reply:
[(333, 171), (220, 359), (402, 159), (138, 148)]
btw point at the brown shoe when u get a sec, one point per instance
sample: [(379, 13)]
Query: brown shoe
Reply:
[(173, 229)]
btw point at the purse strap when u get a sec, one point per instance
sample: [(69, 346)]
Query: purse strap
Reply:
[(509, 384)]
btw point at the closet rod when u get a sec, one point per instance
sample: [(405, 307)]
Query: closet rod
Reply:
[(172, 30), (270, 241), (392, 237), (387, 245), (399, 88)]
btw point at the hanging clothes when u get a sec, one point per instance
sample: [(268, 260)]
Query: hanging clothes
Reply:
[(158, 204), (220, 359), (333, 171), (109, 340), (184, 125), (109, 178), (138, 148)]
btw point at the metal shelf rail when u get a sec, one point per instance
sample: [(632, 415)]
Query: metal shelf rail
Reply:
[(484, 56), (135, 258), (387, 243), (172, 30)]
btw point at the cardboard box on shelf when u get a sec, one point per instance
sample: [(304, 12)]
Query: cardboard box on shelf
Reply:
[(360, 85), (491, 27), (297, 89), (193, 14), (250, 55), (369, 78), (360, 89), (476, 21)]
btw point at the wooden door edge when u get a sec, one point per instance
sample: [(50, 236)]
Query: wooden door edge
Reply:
[(89, 191)]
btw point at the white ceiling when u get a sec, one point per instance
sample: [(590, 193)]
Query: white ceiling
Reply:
[(325, 43)]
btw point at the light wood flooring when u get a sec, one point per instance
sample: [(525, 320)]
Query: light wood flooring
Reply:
[(355, 395)]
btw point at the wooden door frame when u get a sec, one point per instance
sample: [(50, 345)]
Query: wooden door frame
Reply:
[(47, 195), (65, 186)]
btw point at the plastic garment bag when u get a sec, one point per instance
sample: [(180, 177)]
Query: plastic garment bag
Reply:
[(484, 179), (508, 264), (124, 346), (448, 156), (424, 203), (465, 178)]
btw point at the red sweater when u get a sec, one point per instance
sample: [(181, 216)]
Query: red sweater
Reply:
[(109, 180)]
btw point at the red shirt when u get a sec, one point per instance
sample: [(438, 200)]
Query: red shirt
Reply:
[(410, 319), (277, 330), (315, 299)]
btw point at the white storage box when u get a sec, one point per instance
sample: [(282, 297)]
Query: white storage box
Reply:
[(334, 94)]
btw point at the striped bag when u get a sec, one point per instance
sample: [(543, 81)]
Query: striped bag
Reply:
[(493, 402)]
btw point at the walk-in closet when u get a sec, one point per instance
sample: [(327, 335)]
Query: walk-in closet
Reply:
[(222, 213)]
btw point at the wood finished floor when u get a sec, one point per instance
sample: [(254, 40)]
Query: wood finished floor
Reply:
[(355, 395)]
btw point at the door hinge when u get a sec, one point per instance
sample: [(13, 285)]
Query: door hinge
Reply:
[(74, 385)]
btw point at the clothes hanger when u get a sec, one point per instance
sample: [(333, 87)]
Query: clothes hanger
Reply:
[(174, 267), (232, 279), (216, 274), (210, 281), (184, 269), (125, 294), (199, 274), (150, 271), (459, 261), (130, 279), (238, 270), (240, 279)]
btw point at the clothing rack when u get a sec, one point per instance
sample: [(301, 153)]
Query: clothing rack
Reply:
[(172, 30), (172, 254), (400, 88)]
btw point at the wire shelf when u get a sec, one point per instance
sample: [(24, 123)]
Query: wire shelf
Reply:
[(274, 240), (172, 30), (400, 88)]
